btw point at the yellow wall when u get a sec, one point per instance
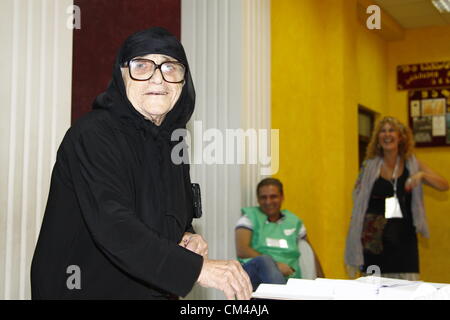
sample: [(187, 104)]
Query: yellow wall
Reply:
[(372, 62), (325, 63), (313, 56), (426, 45)]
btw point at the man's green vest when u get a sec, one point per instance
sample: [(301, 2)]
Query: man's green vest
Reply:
[(276, 239)]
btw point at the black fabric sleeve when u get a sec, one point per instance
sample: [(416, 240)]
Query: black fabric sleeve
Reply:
[(102, 187)]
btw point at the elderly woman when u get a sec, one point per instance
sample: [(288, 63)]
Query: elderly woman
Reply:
[(119, 210), (388, 207)]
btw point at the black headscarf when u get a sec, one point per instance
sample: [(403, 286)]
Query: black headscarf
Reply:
[(155, 40)]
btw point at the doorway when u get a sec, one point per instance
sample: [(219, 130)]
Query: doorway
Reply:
[(366, 120)]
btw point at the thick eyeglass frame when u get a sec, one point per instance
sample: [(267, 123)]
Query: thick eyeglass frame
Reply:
[(157, 66)]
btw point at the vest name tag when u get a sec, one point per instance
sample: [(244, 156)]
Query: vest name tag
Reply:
[(288, 232), (278, 243)]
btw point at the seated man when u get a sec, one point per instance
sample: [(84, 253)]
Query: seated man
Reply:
[(267, 238)]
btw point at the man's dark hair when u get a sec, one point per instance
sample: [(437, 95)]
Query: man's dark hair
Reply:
[(269, 182)]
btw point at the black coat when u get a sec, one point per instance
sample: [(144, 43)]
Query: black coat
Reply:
[(118, 205)]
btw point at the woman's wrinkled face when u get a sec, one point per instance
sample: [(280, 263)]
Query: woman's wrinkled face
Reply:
[(155, 97), (389, 137)]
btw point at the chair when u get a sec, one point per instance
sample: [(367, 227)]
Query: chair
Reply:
[(307, 261)]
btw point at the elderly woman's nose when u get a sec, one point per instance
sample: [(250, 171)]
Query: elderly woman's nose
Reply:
[(157, 77)]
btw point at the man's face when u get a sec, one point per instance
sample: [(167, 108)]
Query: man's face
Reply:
[(270, 200)]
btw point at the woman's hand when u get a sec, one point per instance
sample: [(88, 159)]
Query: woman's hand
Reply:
[(195, 243), (227, 276), (413, 181)]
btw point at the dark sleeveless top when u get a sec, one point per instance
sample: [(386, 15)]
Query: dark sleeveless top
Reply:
[(390, 243)]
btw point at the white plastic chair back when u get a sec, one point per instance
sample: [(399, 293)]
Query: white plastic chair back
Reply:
[(307, 261)]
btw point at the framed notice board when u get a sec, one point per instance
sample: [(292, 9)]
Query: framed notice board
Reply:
[(428, 86), (429, 116)]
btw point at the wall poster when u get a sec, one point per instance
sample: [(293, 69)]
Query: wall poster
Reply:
[(428, 86), (429, 116)]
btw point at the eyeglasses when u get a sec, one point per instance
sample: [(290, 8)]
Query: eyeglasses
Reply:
[(141, 69)]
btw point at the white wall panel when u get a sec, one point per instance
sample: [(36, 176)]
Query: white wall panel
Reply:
[(35, 58), (256, 83)]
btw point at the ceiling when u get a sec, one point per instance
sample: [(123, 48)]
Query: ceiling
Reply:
[(414, 13)]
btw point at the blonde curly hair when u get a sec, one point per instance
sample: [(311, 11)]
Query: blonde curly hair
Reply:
[(405, 146)]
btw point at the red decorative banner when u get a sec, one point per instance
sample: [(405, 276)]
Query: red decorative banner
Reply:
[(423, 75)]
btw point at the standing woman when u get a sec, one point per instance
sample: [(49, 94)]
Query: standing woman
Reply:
[(388, 207), (119, 209)]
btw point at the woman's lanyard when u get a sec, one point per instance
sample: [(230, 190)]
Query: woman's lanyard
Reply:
[(394, 179), (392, 206)]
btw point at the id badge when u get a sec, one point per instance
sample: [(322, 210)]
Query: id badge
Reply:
[(392, 208), (278, 243)]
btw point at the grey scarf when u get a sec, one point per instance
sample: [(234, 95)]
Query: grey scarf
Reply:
[(361, 195)]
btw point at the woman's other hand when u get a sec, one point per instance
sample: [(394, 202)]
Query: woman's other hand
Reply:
[(195, 243)]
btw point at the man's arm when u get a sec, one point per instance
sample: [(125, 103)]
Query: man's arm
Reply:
[(244, 249), (243, 244)]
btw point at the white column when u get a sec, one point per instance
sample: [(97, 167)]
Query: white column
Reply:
[(257, 89), (228, 47), (36, 64)]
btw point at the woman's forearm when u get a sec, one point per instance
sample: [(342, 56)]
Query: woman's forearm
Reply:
[(435, 181)]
